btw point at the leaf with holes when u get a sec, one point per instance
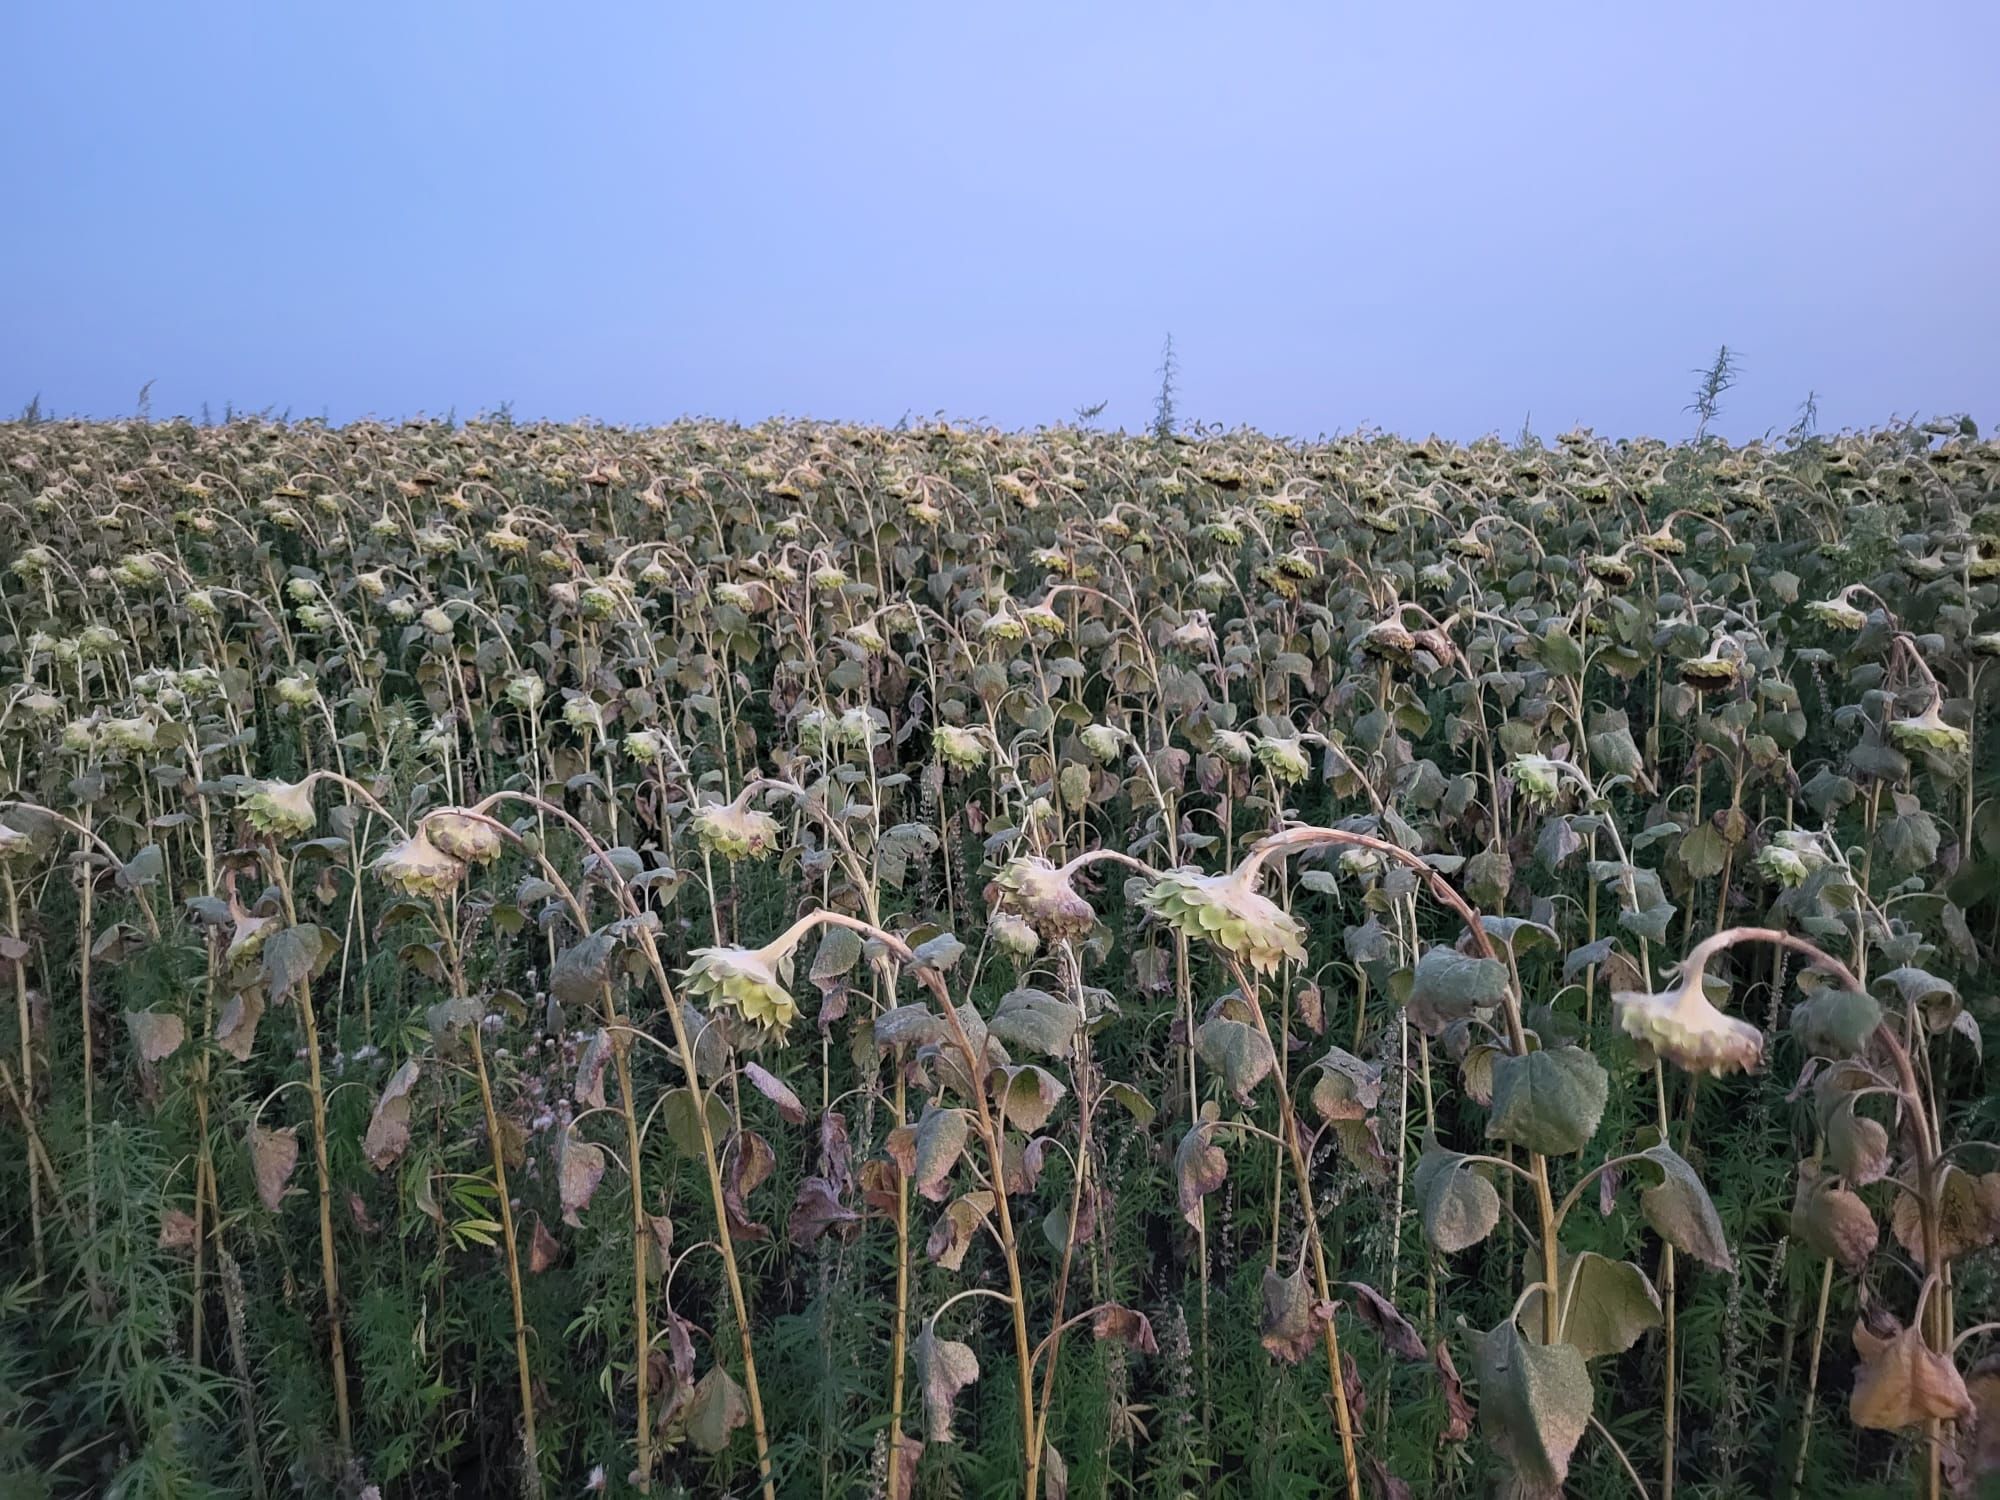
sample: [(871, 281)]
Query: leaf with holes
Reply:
[(944, 1368)]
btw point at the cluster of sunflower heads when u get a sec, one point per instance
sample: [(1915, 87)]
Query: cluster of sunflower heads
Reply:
[(1230, 912), (431, 862)]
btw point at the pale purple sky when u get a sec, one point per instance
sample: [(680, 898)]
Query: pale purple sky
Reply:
[(1424, 216)]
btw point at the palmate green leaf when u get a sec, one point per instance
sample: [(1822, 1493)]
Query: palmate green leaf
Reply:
[(1458, 1205), (1238, 1051), (1548, 1101), (1535, 1401)]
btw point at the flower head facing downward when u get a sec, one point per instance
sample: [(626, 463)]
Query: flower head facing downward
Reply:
[(745, 984), (417, 867), (1538, 777), (1230, 912), (1836, 614), (959, 746), (1040, 894), (1928, 731), (464, 837), (283, 809), (735, 832), (1684, 1027)]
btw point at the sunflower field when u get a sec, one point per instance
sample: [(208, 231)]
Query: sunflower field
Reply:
[(824, 961)]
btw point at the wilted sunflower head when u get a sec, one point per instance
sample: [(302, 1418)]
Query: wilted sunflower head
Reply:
[(1388, 640), (1682, 1026), (1036, 891), (526, 691), (417, 867), (1041, 617), (1790, 856), (1538, 777), (1664, 542), (1285, 759), (1015, 936), (959, 746), (1711, 672), (1003, 625), (1837, 614), (464, 837), (297, 689), (1102, 741), (283, 809), (1928, 731), (1230, 912), (14, 844), (735, 832), (1610, 568), (744, 984), (1470, 544)]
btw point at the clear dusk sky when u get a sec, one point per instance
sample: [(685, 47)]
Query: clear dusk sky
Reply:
[(1431, 217)]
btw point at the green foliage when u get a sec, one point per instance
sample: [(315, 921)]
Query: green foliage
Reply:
[(1304, 912)]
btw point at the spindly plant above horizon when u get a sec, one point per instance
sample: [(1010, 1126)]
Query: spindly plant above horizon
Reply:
[(813, 960)]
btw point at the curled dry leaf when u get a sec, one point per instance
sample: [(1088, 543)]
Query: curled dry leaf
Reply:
[(1902, 1382), (1293, 1320), (944, 1368), (1398, 1336), (1128, 1325), (777, 1090), (815, 1210), (588, 1089), (543, 1250), (389, 1126), (1199, 1169), (236, 1027), (157, 1034), (273, 1155), (579, 1168)]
